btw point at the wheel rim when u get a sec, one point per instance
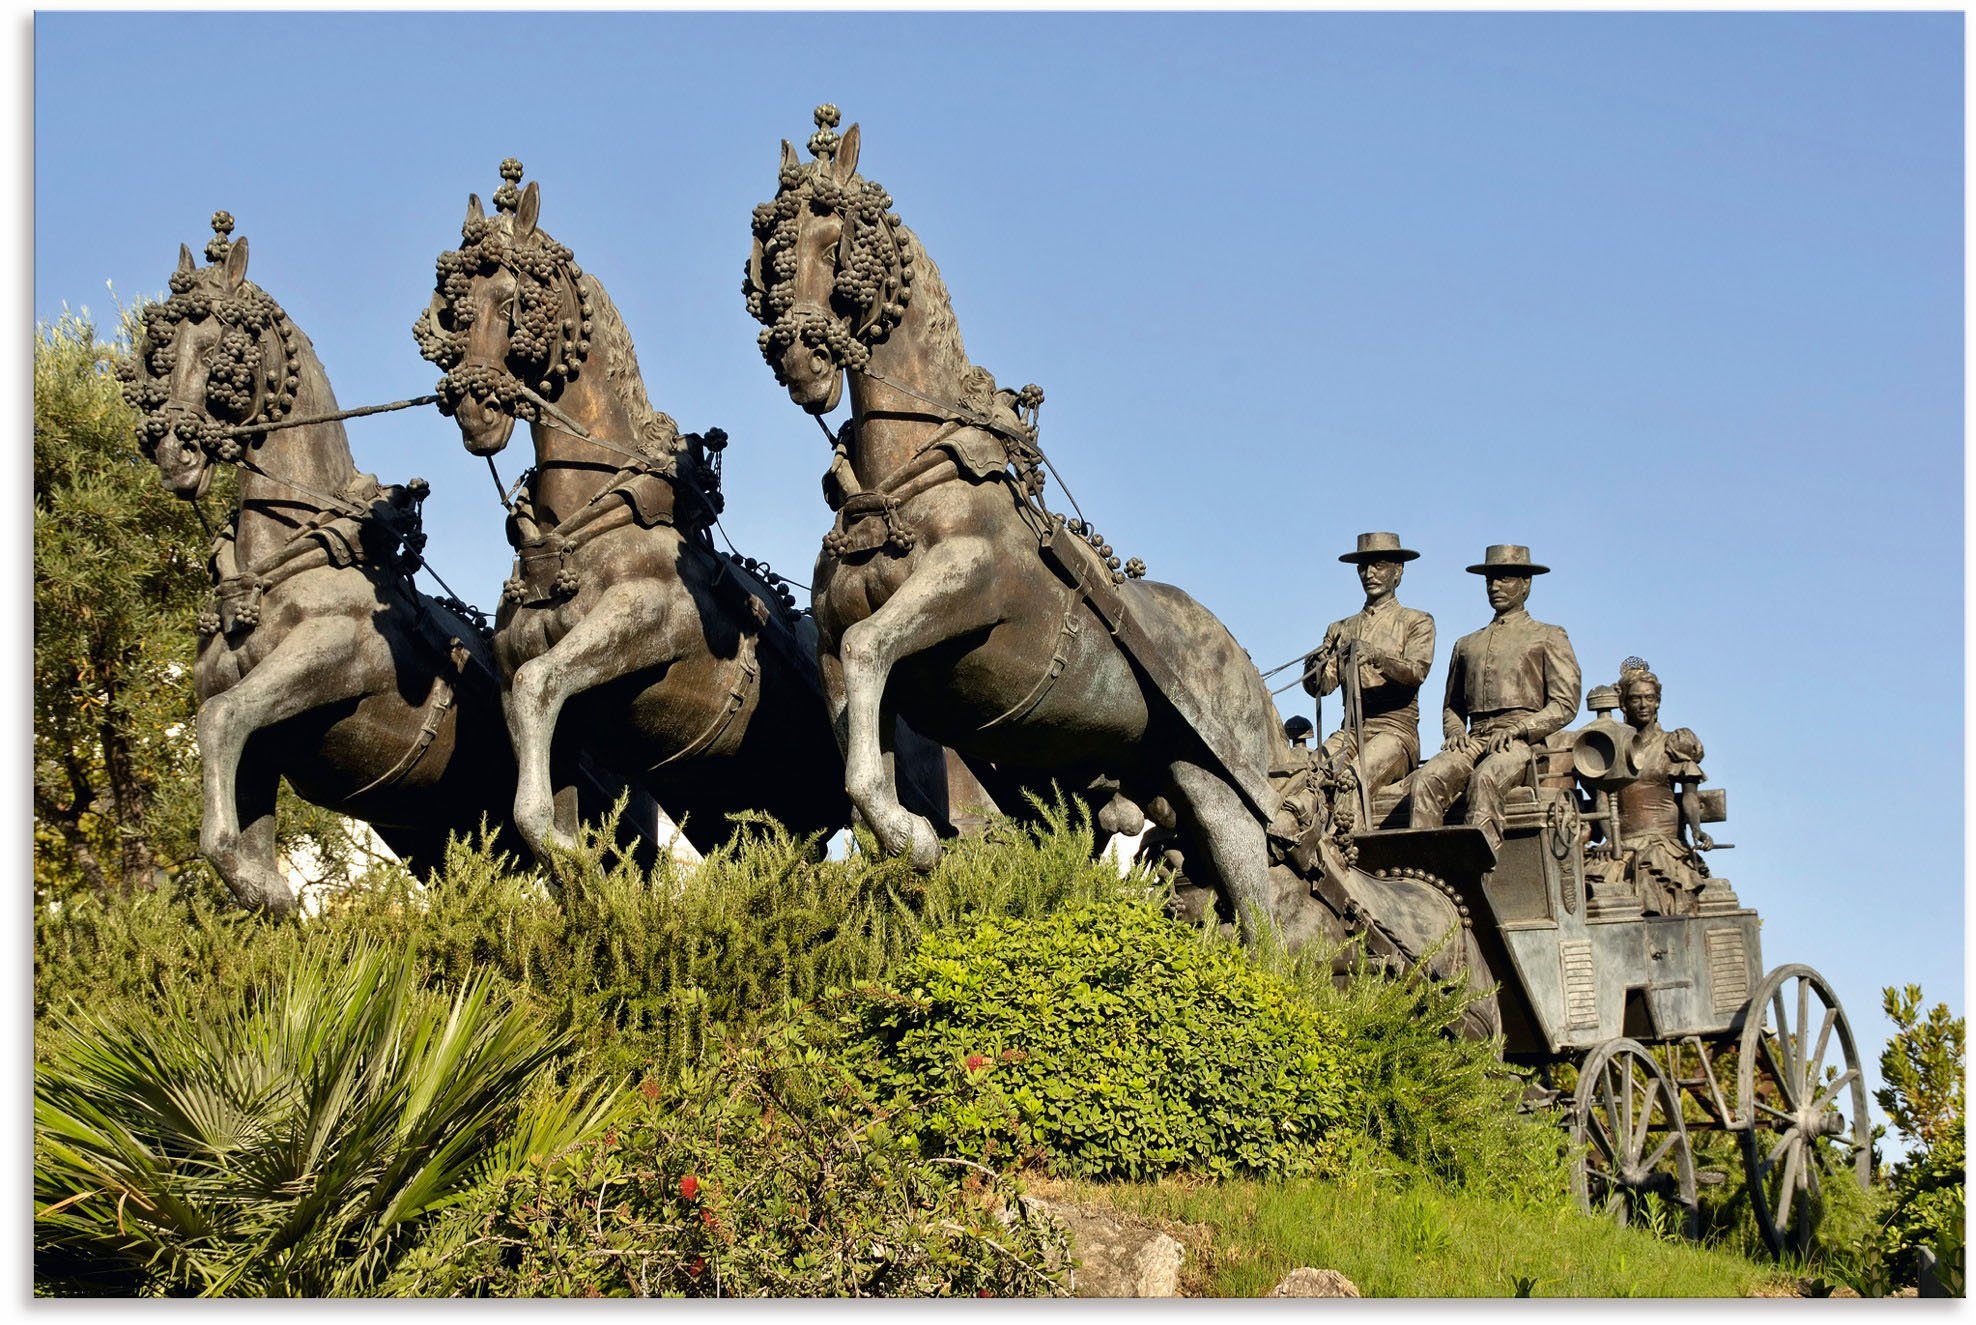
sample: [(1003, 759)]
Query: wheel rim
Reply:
[(1629, 1136), (1803, 1104)]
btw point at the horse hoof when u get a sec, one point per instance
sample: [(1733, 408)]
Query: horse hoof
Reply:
[(925, 845)]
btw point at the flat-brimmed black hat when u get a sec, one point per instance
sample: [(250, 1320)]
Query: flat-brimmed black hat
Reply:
[(1507, 559), (1379, 547)]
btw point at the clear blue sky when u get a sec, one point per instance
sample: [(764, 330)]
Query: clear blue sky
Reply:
[(1674, 299)]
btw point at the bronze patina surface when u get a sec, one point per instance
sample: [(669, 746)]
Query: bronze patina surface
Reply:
[(1657, 861), (1510, 685), (946, 587), (318, 659), (686, 669), (1381, 654)]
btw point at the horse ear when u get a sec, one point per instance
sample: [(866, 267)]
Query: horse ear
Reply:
[(846, 161), (184, 259), (530, 209), (474, 212), (789, 161), (236, 264)]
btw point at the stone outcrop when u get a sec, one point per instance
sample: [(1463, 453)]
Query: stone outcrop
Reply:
[(1307, 1282), (1115, 1256)]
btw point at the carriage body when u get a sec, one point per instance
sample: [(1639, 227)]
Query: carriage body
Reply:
[(1669, 1023), (1574, 975)]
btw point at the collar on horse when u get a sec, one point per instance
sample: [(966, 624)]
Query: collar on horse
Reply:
[(367, 524)]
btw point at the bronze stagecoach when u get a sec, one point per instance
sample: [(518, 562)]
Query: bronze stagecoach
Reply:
[(1668, 1015)]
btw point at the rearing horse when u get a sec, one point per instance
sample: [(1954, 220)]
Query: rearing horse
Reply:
[(946, 589), (685, 671), (318, 661)]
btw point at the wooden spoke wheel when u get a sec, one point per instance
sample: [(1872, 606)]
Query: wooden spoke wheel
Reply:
[(1630, 1140), (1802, 1104)]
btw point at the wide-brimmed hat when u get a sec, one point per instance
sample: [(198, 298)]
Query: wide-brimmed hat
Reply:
[(1379, 547), (1507, 559)]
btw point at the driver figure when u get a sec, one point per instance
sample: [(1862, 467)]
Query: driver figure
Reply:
[(1510, 685)]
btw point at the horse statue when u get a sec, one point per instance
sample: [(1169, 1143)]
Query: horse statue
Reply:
[(947, 589), (1015, 635), (690, 671), (318, 660)]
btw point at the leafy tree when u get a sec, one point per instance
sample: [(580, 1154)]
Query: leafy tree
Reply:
[(1925, 1096), (118, 575), (1923, 1068)]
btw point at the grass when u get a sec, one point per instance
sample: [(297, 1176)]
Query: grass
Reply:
[(1417, 1240)]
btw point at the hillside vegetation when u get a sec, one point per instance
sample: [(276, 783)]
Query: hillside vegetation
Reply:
[(776, 1074)]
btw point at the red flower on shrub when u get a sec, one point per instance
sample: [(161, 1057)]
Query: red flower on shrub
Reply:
[(697, 1266), (650, 1088), (975, 1062), (689, 1187)]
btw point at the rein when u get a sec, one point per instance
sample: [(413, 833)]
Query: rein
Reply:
[(583, 434), (956, 414), (254, 429), (334, 501)]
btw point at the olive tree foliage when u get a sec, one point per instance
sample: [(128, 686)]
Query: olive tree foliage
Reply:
[(119, 575)]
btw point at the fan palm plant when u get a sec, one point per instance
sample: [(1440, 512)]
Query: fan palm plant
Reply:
[(292, 1146)]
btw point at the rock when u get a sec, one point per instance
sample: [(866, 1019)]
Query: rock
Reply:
[(1115, 1257), (1307, 1282)]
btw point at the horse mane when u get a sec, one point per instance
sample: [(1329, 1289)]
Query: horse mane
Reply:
[(976, 385), (930, 297), (653, 429)]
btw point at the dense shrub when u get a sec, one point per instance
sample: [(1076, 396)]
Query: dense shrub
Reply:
[(1444, 1107), (769, 1171), (646, 972), (293, 1145), (1021, 1002), (1112, 1040)]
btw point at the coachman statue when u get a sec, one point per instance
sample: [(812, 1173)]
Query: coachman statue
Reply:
[(1510, 685), (1380, 654)]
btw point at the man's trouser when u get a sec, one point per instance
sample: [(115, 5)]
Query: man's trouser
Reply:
[(1383, 760), (1485, 776)]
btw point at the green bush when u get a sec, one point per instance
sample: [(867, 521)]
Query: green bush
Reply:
[(1112, 1040), (770, 1171), (1446, 1108), (292, 1146), (1925, 1095), (646, 972)]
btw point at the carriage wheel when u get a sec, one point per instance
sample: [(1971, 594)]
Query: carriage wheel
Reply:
[(1630, 1140), (1799, 1128)]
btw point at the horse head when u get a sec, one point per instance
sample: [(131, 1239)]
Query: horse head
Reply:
[(830, 272), (510, 320), (217, 356)]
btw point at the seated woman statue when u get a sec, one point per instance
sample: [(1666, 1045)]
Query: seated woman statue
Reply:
[(1660, 812)]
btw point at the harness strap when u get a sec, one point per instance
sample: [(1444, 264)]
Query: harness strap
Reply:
[(437, 701), (745, 681), (1068, 628)]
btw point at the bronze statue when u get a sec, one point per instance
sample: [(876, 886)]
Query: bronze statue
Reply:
[(1510, 685), (947, 589), (319, 661), (1660, 811), (686, 669), (1381, 653)]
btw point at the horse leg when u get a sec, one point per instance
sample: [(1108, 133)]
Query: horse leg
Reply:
[(310, 668), (624, 632), (1218, 821), (950, 592), (256, 785)]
